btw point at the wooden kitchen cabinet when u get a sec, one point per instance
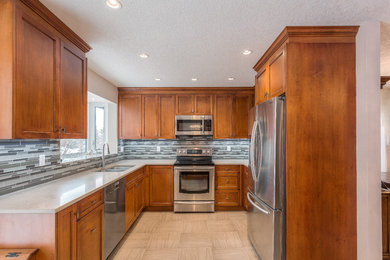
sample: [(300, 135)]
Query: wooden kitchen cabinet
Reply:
[(223, 116), (43, 74), (130, 117), (161, 186), (66, 234), (231, 116), (73, 93), (130, 210), (150, 116), (228, 186), (194, 104), (80, 229), (167, 117), (135, 196), (261, 86), (90, 235)]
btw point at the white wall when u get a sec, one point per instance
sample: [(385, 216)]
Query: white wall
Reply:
[(101, 87), (369, 227)]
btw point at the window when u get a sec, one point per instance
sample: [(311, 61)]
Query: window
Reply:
[(102, 128)]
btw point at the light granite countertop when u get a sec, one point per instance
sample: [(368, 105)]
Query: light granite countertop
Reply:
[(54, 196)]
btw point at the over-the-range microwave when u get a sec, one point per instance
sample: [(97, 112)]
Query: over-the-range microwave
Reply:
[(194, 125)]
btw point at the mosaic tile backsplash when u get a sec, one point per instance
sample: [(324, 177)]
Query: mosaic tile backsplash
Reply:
[(147, 149), (19, 159), (19, 164)]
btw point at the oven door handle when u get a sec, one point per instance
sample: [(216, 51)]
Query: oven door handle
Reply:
[(193, 202)]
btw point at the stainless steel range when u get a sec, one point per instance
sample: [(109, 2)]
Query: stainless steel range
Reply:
[(194, 173)]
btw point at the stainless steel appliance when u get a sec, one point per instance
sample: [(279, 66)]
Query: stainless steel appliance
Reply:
[(194, 125), (194, 180), (266, 217), (114, 215)]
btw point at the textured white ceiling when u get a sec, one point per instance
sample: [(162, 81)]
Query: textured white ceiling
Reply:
[(194, 38)]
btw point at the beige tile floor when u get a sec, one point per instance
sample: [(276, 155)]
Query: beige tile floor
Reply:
[(187, 236)]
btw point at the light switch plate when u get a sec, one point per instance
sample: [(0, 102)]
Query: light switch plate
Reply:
[(42, 160), (158, 149), (229, 148)]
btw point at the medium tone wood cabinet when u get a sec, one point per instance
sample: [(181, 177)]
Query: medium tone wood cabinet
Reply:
[(227, 186), (135, 196), (66, 234), (43, 85), (90, 235), (150, 116), (166, 117), (231, 116), (194, 104), (161, 186), (270, 79), (130, 117), (315, 68)]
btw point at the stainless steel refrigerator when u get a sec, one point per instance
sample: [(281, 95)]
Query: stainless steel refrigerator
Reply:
[(266, 194)]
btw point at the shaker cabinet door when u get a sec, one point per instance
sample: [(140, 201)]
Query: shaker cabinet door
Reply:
[(73, 93), (130, 117), (37, 71)]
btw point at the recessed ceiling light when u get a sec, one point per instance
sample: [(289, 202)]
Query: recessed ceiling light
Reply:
[(115, 4), (144, 55), (158, 79), (246, 52), (194, 79), (231, 78)]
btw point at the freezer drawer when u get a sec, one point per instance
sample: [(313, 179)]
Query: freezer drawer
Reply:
[(265, 230)]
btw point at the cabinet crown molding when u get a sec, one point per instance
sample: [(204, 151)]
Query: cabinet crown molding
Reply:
[(41, 10), (309, 34)]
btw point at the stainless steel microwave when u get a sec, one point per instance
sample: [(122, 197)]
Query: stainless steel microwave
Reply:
[(194, 125)]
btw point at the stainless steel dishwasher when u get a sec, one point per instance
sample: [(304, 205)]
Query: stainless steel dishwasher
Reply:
[(114, 215)]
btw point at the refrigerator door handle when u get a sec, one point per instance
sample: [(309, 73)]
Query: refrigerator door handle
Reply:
[(261, 152), (256, 206), (252, 150)]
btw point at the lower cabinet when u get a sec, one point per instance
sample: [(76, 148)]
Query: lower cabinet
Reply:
[(227, 186), (81, 236), (161, 186), (135, 196), (90, 235)]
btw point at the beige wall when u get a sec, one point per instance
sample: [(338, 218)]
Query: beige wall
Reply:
[(101, 87), (369, 228)]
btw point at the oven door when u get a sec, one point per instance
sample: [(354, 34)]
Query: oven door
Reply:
[(194, 183)]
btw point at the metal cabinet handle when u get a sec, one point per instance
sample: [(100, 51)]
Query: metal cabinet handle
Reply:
[(93, 230), (93, 202), (77, 213), (64, 130)]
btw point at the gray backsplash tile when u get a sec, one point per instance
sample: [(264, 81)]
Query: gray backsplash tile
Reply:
[(19, 159)]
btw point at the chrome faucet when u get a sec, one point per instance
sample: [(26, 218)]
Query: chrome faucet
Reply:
[(108, 152)]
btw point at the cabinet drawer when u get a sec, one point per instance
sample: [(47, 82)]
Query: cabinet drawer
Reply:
[(228, 181), (133, 176), (89, 203), (227, 198), (227, 168)]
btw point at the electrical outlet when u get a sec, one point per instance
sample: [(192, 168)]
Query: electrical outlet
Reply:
[(158, 149), (229, 148), (42, 160), (122, 149)]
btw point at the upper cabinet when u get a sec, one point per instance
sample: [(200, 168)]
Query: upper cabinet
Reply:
[(43, 87), (231, 116), (146, 116), (149, 113), (130, 117), (194, 104), (270, 78)]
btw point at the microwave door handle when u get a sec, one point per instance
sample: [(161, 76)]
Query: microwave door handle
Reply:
[(256, 206)]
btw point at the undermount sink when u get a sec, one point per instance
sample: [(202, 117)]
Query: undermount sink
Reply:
[(119, 168)]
